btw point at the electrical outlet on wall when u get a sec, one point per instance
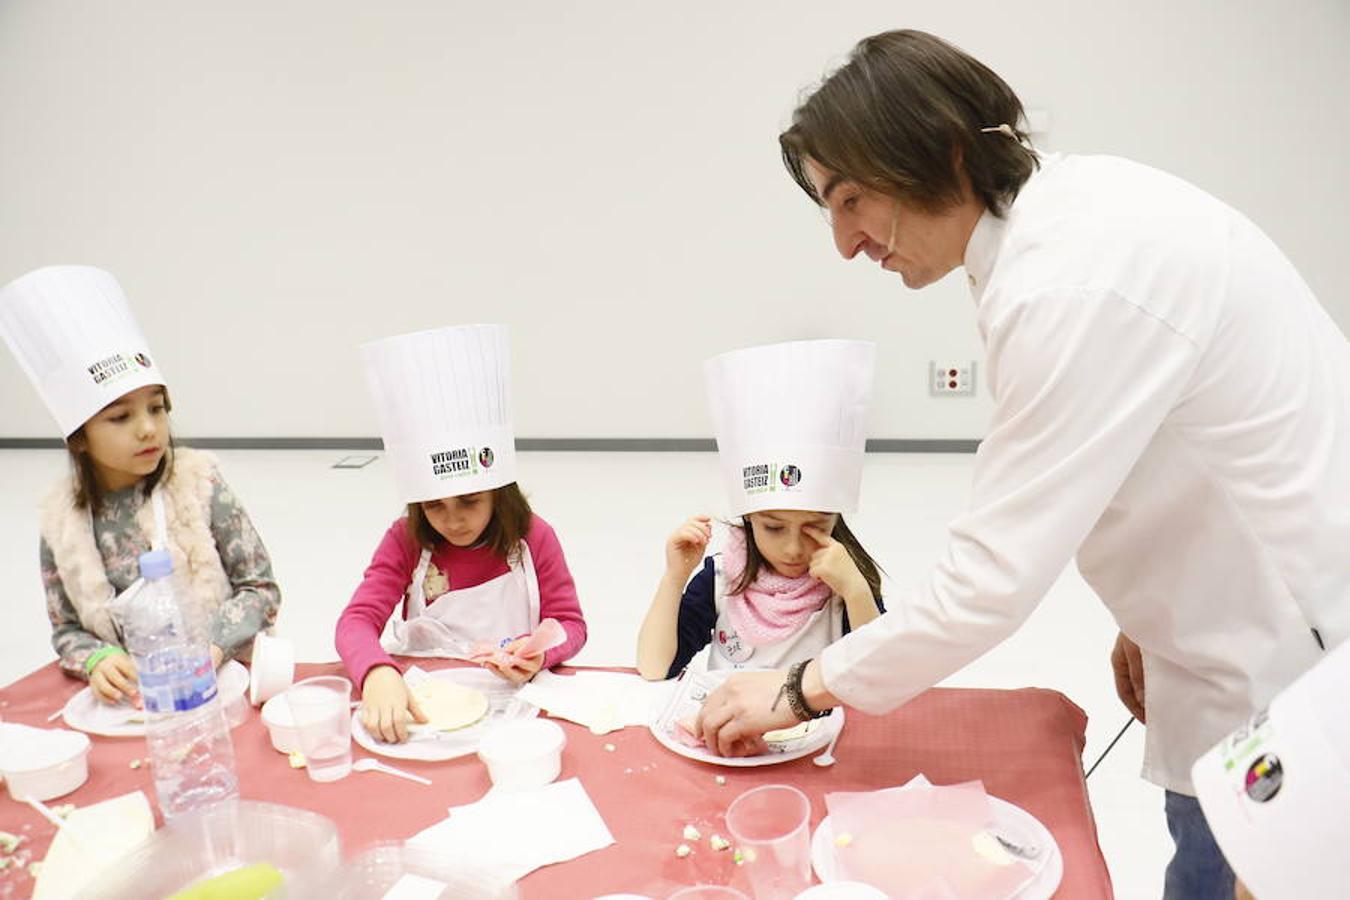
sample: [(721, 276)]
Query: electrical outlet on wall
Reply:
[(951, 379)]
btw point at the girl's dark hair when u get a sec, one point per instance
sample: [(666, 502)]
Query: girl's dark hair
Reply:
[(898, 116), (88, 493), (871, 572), (510, 522)]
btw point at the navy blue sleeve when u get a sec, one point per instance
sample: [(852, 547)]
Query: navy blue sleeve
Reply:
[(881, 610), (698, 615)]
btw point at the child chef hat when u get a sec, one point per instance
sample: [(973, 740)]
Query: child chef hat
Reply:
[(444, 403), (74, 335), (1276, 792), (791, 423)]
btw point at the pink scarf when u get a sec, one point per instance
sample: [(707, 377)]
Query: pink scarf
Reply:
[(774, 607)]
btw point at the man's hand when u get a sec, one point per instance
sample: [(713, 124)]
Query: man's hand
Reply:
[(735, 717), (1128, 665)]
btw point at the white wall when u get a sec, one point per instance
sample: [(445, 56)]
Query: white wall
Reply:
[(274, 182)]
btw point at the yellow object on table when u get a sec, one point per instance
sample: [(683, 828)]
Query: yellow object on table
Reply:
[(245, 883)]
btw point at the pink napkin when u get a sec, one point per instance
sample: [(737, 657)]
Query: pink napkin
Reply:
[(548, 635), (919, 841), (682, 730)]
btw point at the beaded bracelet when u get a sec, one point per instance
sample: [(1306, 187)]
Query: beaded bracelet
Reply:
[(796, 699)]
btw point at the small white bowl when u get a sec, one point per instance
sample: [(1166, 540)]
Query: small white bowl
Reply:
[(276, 715), (51, 765), (521, 754)]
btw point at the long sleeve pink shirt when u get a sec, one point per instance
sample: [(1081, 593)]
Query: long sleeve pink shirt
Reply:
[(391, 570)]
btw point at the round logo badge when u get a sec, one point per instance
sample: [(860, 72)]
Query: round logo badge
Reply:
[(790, 476), (143, 360), (730, 645), (485, 457), (1264, 778)]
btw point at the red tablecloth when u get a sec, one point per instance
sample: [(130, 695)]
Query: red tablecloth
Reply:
[(1026, 746)]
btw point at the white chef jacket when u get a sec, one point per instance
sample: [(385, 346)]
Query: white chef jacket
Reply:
[(1171, 404)]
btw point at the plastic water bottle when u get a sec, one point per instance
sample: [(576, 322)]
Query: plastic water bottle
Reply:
[(191, 756)]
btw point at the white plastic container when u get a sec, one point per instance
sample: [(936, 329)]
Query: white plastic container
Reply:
[(216, 839), (51, 763), (276, 715), (526, 753), (272, 668), (842, 890)]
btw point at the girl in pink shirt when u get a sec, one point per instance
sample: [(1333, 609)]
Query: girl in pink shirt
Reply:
[(481, 566), (470, 565)]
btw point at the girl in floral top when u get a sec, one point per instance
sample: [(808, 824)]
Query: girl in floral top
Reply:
[(73, 333), (97, 520)]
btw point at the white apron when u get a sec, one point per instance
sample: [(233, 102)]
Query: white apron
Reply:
[(452, 625), (728, 651)]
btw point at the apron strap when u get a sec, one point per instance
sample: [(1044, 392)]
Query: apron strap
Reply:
[(526, 562), (417, 594), (161, 539)]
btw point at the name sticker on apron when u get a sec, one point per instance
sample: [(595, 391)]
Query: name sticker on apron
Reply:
[(730, 645)]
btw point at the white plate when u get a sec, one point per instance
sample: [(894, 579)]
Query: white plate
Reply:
[(434, 747), (1013, 822), (87, 713), (688, 697)]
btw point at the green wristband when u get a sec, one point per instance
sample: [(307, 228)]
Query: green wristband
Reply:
[(98, 656)]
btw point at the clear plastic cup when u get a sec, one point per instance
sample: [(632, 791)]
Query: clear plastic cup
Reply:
[(772, 828), (708, 892), (321, 711)]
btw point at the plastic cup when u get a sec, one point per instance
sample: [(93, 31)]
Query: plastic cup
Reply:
[(708, 892), (771, 825), (322, 716)]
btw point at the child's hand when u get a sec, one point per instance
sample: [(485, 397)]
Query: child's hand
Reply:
[(113, 678), (518, 672), (833, 565), (387, 705), (685, 548)]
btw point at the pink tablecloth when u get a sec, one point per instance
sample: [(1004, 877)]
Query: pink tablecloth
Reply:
[(1026, 746)]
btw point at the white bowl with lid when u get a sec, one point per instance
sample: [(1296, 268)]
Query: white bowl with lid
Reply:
[(522, 754), (49, 763)]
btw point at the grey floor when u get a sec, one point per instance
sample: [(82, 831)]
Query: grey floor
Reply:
[(612, 512)]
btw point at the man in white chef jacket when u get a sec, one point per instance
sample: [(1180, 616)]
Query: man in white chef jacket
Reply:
[(1172, 406)]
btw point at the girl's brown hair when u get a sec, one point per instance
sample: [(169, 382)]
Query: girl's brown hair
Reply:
[(898, 116), (510, 522), (871, 572), (89, 493)]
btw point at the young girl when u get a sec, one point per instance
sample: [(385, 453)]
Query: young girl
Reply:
[(470, 562), (791, 578), (130, 490)]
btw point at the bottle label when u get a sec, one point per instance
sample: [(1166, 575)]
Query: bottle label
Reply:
[(173, 682)]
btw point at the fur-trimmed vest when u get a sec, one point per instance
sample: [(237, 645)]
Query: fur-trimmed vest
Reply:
[(69, 532)]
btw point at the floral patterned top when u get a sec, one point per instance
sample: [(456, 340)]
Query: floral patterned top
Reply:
[(251, 608)]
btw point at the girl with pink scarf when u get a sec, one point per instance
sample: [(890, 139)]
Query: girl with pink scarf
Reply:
[(790, 577)]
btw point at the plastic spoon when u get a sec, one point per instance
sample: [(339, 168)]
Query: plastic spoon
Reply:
[(826, 759), (374, 765)]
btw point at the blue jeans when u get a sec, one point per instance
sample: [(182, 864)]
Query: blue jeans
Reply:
[(1198, 870)]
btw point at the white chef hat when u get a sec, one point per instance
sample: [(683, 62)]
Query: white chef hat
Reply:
[(1276, 792), (75, 337), (791, 423), (444, 403)]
